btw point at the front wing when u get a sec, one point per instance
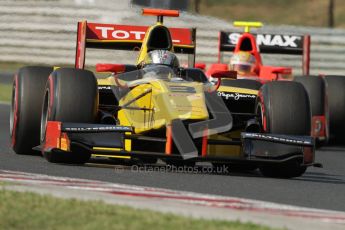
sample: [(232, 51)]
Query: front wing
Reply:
[(113, 140)]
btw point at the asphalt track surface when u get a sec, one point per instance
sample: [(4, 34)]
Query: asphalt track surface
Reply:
[(322, 188), (6, 78)]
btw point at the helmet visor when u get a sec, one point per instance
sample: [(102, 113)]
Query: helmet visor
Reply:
[(242, 68)]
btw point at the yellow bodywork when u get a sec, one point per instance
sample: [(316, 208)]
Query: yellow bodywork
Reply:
[(143, 49), (155, 104), (225, 150), (152, 105), (163, 103)]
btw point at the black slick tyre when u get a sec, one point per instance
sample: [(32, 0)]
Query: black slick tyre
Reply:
[(335, 86), (315, 87), (71, 95), (27, 98), (284, 108), (316, 90)]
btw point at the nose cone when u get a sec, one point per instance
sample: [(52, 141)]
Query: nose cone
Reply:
[(183, 101)]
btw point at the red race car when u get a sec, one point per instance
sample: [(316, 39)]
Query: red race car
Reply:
[(328, 109)]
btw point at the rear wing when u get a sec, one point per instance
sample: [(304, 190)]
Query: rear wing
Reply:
[(127, 37), (270, 44)]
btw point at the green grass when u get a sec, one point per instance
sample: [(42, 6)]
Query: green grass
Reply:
[(275, 12), (3, 183), (31, 211), (5, 92), (10, 67)]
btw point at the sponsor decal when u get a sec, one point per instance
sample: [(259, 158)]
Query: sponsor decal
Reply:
[(133, 33), (191, 97), (277, 138), (236, 96), (99, 128), (104, 87), (182, 89), (111, 32), (291, 41)]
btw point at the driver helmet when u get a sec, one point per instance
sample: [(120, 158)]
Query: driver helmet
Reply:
[(243, 62), (161, 57)]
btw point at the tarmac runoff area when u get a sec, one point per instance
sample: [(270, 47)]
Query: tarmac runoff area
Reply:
[(189, 204), (6, 78)]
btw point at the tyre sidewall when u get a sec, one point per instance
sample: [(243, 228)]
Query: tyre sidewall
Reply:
[(284, 108), (336, 107), (27, 97), (73, 97)]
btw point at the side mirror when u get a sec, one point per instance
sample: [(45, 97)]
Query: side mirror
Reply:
[(275, 72), (282, 70), (200, 65), (224, 74), (219, 74), (283, 73), (114, 68)]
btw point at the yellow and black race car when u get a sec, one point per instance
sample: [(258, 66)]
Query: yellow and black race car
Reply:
[(154, 109)]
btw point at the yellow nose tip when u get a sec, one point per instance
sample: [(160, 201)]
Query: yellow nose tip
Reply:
[(247, 25)]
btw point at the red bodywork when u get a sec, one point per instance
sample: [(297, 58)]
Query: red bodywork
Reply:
[(263, 73), (53, 135), (160, 12), (247, 42)]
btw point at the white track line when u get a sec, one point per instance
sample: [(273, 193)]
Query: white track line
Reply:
[(191, 198)]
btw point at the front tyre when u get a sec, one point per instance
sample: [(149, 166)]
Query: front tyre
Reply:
[(283, 108), (71, 95)]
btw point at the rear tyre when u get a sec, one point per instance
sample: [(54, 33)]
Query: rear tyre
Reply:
[(284, 108), (71, 95), (316, 90), (335, 86), (27, 98)]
